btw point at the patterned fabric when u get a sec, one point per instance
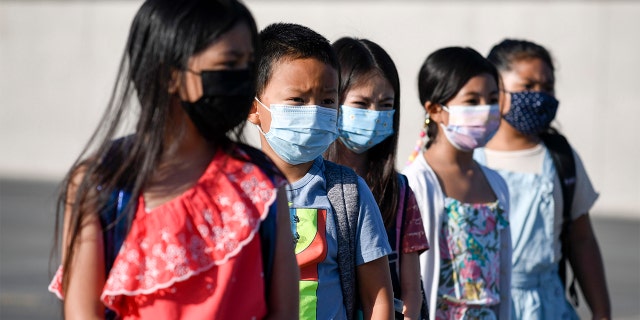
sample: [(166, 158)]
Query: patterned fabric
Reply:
[(192, 255), (470, 254), (414, 238), (531, 111)]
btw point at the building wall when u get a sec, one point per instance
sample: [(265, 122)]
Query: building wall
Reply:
[(58, 61)]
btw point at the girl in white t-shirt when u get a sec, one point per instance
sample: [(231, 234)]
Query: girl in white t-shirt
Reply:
[(464, 205), (518, 154)]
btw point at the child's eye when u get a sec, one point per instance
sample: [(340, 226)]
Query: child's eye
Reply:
[(328, 101), (297, 100), (387, 105), (472, 102)]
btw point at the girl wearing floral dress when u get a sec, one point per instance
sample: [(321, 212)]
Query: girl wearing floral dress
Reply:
[(464, 205)]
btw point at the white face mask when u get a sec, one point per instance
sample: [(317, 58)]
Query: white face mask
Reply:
[(299, 134), (471, 127)]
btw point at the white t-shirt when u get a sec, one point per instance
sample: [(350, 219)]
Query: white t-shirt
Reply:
[(530, 161)]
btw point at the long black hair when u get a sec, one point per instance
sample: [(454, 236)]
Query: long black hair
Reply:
[(445, 72), (163, 36), (359, 59)]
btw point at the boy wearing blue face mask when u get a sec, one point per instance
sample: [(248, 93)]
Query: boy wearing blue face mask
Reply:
[(296, 112)]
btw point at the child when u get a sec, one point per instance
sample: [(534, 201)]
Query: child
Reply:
[(296, 112), (548, 225), (464, 205), (189, 243), (368, 125)]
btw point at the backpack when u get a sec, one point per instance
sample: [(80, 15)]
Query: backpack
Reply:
[(117, 215), (342, 191), (562, 155)]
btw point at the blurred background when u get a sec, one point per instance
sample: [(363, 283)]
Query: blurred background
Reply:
[(58, 63)]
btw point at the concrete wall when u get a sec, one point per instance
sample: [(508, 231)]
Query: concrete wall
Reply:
[(58, 61)]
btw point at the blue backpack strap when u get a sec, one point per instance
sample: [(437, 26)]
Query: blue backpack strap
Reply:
[(115, 223), (114, 217), (342, 191)]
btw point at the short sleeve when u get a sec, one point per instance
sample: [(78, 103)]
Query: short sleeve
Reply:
[(371, 236), (414, 238), (585, 195)]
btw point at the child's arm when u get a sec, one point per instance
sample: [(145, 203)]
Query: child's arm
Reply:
[(87, 274), (284, 295), (376, 293), (586, 261), (410, 282)]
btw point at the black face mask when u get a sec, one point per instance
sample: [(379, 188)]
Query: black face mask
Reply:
[(226, 99)]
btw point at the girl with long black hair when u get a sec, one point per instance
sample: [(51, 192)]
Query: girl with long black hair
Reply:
[(191, 247)]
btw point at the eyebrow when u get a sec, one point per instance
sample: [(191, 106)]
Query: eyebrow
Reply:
[(363, 97), (475, 93), (236, 53), (330, 90)]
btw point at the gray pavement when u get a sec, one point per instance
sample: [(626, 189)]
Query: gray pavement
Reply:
[(26, 238)]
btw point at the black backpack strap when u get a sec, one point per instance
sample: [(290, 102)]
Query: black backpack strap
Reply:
[(562, 155), (268, 227), (267, 233), (342, 191)]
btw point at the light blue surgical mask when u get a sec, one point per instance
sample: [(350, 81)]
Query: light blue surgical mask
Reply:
[(299, 134), (361, 129)]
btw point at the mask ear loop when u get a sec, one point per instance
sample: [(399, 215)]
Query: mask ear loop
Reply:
[(258, 112), (421, 140)]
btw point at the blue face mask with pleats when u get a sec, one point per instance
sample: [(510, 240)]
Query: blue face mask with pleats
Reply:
[(299, 134), (361, 129)]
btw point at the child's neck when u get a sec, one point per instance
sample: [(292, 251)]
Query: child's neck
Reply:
[(355, 161), (293, 172), (442, 154), (509, 139), (459, 175)]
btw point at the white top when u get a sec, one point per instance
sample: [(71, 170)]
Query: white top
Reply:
[(430, 198), (530, 161)]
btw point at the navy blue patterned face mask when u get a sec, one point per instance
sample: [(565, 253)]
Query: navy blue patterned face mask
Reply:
[(531, 112)]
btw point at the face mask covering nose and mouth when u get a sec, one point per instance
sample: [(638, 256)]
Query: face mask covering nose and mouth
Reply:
[(299, 134), (471, 127), (225, 102), (361, 129), (531, 112)]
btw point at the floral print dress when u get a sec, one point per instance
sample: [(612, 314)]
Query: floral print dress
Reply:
[(470, 260)]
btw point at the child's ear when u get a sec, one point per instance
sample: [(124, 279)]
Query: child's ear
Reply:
[(174, 83), (254, 116), (433, 109), (430, 107)]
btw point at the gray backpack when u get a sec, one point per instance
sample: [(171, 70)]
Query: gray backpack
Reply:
[(342, 191)]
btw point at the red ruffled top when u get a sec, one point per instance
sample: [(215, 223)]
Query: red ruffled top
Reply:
[(196, 256)]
